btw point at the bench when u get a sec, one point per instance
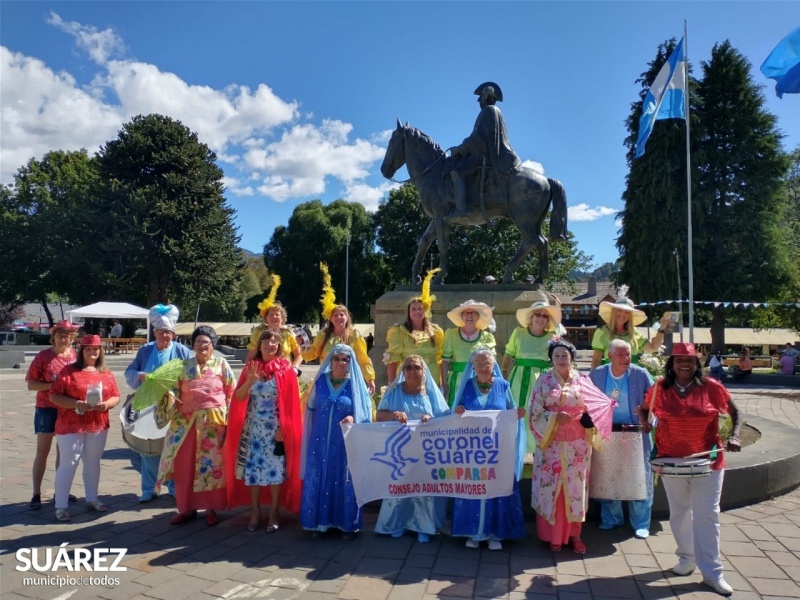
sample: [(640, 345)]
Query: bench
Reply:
[(763, 362), (122, 345)]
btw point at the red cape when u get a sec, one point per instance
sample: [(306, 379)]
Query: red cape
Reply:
[(291, 426)]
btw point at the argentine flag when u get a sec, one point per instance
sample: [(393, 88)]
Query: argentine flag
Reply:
[(783, 65), (665, 98)]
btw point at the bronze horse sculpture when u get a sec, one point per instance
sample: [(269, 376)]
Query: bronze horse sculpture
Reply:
[(523, 196)]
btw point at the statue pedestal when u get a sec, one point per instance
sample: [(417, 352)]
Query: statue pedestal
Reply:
[(505, 300)]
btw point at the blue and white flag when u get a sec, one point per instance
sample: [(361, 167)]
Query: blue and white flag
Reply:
[(665, 98), (783, 65)]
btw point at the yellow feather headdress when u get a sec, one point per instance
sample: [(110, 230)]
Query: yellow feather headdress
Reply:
[(426, 298), (269, 301), (328, 299)]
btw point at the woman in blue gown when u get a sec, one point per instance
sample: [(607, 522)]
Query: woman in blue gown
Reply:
[(413, 396), (339, 395), (482, 387)]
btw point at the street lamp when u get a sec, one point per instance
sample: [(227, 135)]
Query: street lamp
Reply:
[(347, 263), (680, 292)]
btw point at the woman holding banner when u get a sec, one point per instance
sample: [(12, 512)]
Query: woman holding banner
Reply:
[(338, 395), (482, 387), (414, 395)]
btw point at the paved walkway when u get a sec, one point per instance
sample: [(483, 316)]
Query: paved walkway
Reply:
[(760, 543)]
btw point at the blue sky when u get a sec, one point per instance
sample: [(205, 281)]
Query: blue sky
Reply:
[(297, 98)]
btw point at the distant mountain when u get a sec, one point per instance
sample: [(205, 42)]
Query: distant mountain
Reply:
[(247, 253), (602, 273)]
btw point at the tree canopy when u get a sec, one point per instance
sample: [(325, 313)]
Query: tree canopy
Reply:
[(740, 238)]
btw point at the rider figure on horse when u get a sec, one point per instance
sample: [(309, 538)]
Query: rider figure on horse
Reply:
[(488, 140)]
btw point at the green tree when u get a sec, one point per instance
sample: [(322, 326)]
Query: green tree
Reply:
[(742, 246), (39, 225), (474, 253), (654, 216), (165, 230), (317, 233)]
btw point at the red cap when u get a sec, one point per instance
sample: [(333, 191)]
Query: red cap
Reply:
[(683, 349), (91, 340)]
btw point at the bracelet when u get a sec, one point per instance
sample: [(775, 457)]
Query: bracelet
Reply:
[(662, 331)]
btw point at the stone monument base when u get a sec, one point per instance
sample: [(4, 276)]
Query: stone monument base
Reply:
[(505, 300)]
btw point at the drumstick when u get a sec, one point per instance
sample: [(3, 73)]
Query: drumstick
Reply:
[(706, 453)]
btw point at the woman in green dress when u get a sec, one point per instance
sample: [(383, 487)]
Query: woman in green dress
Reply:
[(472, 320), (527, 350), (621, 319)]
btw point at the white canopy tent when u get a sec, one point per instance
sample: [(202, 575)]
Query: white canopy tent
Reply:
[(111, 310)]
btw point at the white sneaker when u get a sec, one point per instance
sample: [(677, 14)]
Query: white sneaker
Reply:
[(684, 567), (473, 543), (495, 545), (719, 585)]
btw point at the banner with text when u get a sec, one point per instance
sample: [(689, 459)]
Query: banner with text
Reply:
[(471, 455)]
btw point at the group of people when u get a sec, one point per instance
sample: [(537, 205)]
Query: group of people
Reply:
[(226, 440)]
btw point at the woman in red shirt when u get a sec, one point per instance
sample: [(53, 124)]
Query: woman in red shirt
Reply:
[(40, 377), (84, 392), (687, 406)]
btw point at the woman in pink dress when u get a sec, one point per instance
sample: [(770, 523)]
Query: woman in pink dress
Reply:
[(197, 412), (563, 430)]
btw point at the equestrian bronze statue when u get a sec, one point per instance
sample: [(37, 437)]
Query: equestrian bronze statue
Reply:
[(481, 181)]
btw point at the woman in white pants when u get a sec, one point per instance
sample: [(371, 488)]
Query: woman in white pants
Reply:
[(84, 392), (688, 406)]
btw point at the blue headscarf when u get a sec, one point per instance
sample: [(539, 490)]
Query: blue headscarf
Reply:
[(438, 405), (466, 378)]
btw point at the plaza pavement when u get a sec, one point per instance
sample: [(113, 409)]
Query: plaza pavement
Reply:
[(760, 543)]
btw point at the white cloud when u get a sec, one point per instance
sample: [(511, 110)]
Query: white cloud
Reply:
[(99, 45), (536, 166), (583, 212), (368, 195), (266, 144)]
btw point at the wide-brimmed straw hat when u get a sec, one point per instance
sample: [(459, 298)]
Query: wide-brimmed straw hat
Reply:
[(524, 314), (66, 325), (625, 304), (683, 349), (91, 340), (484, 313)]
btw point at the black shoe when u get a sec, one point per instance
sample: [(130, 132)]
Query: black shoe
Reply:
[(72, 499), (36, 502)]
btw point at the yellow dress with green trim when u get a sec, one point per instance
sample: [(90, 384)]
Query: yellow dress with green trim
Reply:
[(402, 343), (529, 352), (458, 350)]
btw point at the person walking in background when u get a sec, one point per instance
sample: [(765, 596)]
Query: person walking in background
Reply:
[(116, 332), (164, 319), (43, 371), (84, 392), (627, 384)]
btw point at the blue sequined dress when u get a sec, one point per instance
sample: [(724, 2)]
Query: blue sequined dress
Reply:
[(329, 499), (495, 518)]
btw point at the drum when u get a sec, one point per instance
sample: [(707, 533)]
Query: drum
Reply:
[(618, 470), (139, 429), (684, 468)]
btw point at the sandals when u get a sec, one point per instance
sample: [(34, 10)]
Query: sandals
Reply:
[(62, 515), (212, 518), (272, 528), (96, 506), (555, 547)]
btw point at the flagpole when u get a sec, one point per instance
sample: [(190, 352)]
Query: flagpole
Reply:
[(688, 185)]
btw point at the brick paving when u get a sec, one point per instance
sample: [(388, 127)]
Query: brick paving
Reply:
[(760, 543)]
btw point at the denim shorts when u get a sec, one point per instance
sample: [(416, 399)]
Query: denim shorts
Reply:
[(44, 420)]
